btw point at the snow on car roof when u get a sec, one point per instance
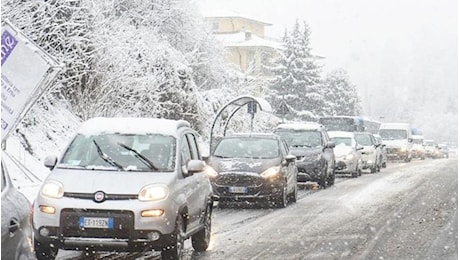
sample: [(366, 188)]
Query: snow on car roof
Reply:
[(131, 125), (300, 126), (340, 134)]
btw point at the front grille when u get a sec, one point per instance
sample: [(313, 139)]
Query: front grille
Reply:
[(123, 223), (392, 150), (238, 180), (90, 196)]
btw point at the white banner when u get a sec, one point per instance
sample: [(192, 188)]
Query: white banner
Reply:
[(25, 68)]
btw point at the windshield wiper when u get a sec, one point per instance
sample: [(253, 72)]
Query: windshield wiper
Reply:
[(106, 158), (301, 145), (141, 158)]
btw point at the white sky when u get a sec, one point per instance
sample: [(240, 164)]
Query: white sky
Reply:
[(383, 44)]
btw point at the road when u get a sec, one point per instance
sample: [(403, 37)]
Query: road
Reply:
[(407, 211)]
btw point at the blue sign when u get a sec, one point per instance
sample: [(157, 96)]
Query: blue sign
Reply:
[(8, 44)]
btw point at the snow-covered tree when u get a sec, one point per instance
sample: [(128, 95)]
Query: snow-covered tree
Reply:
[(297, 75), (126, 57), (341, 96)]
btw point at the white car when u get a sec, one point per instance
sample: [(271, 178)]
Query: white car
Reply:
[(371, 151), (125, 184), (347, 153)]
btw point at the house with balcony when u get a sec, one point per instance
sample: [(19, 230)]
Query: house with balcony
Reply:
[(244, 38)]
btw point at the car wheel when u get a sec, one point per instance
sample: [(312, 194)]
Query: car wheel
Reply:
[(294, 193), (282, 200), (384, 165), (175, 250), (45, 251), (323, 179), (200, 240), (331, 179)]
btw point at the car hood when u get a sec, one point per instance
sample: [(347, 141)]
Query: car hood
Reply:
[(305, 151), (117, 182), (396, 143), (342, 150), (243, 164)]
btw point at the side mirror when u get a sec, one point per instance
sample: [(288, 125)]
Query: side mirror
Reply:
[(330, 145), (50, 161), (290, 158), (194, 166)]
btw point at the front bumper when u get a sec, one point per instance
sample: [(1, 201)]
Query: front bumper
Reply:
[(397, 153), (128, 231), (246, 186), (309, 170)]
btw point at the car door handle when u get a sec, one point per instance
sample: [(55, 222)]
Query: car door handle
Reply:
[(14, 225)]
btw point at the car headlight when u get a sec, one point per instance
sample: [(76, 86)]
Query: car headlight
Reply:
[(53, 189), (153, 192), (271, 172), (210, 172)]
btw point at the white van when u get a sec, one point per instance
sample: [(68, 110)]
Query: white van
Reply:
[(398, 140)]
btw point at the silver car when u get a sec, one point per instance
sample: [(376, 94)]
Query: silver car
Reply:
[(125, 184), (348, 157)]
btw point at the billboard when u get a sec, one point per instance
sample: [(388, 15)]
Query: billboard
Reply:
[(26, 69)]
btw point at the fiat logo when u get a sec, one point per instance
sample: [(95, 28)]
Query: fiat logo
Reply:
[(99, 196)]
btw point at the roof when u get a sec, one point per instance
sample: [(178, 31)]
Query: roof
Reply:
[(340, 134), (239, 40), (221, 13), (257, 135), (131, 125), (301, 126)]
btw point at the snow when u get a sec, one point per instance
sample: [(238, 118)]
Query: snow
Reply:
[(131, 125), (239, 40)]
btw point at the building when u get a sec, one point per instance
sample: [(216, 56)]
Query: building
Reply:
[(244, 38)]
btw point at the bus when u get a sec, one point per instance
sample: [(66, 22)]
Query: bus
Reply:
[(350, 124)]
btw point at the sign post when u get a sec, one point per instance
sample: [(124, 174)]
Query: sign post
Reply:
[(27, 71)]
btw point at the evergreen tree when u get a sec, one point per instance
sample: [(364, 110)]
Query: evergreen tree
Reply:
[(341, 97), (297, 76)]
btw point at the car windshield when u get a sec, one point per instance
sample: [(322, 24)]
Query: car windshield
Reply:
[(247, 147), (393, 134), (301, 138), (346, 141), (363, 139), (152, 152)]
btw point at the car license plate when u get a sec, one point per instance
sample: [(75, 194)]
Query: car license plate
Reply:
[(238, 189), (90, 222)]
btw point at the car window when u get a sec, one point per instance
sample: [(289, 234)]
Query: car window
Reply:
[(247, 148), (195, 154), (364, 139), (186, 154)]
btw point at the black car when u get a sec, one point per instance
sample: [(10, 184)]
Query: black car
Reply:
[(16, 226), (310, 143), (253, 167)]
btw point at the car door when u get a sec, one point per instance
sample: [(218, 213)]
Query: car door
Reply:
[(291, 168), (195, 184)]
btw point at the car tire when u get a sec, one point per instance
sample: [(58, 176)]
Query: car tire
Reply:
[(373, 169), (331, 179), (384, 165), (44, 251), (175, 250), (282, 199), (294, 194), (200, 240), (323, 179)]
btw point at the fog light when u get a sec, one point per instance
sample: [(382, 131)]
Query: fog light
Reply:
[(152, 213), (153, 236), (44, 232), (47, 209)]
